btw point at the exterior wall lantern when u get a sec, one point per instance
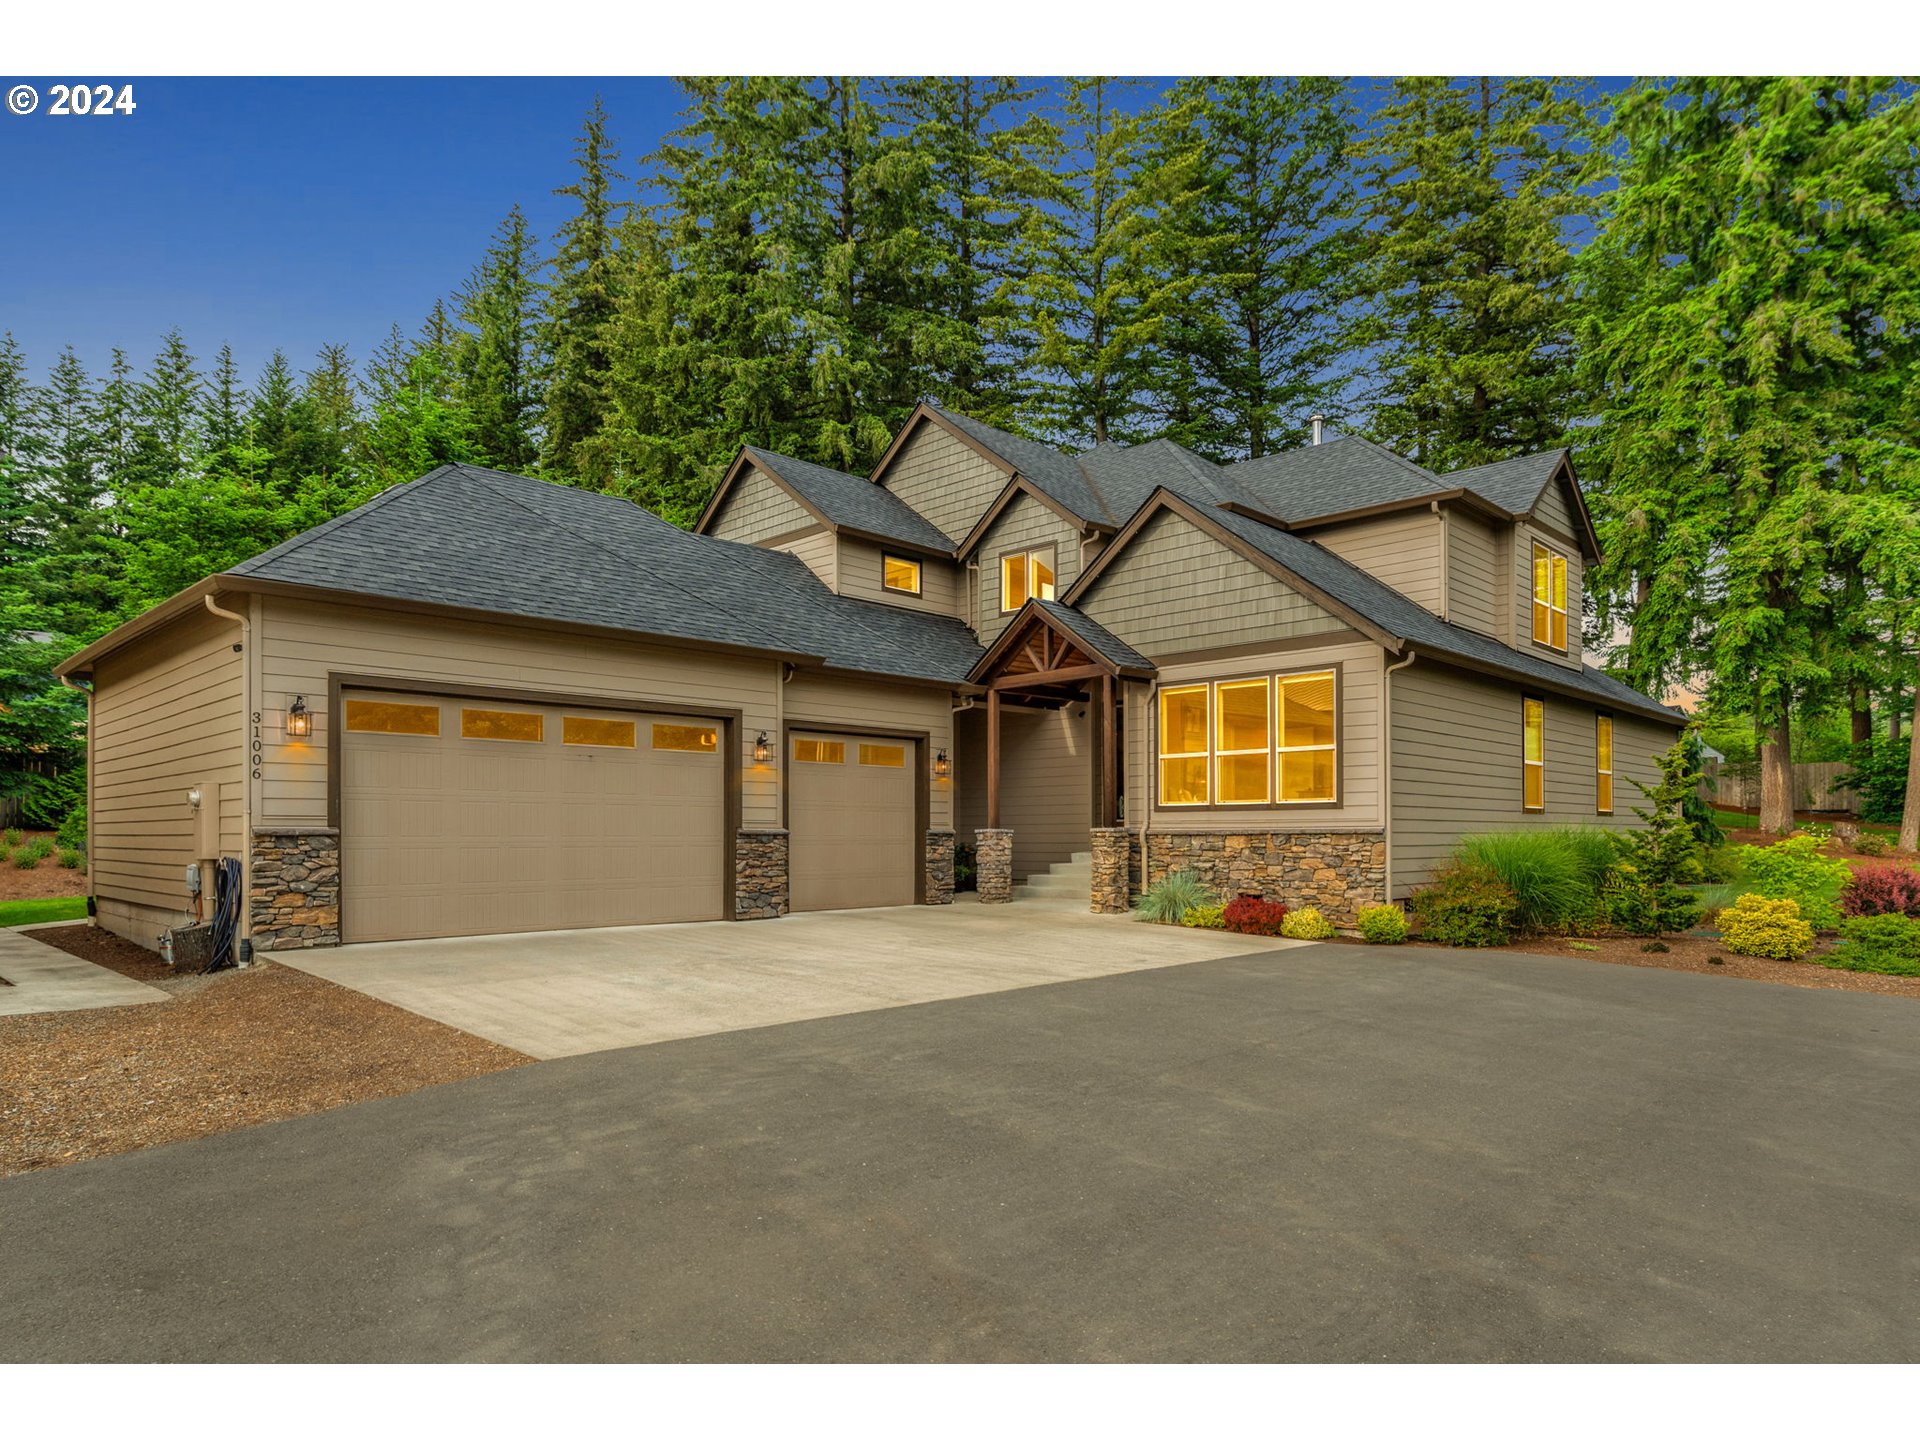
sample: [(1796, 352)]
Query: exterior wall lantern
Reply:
[(942, 766), (299, 721), (761, 752)]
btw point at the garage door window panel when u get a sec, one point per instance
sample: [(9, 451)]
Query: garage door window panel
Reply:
[(587, 730), (892, 757), (694, 739), (820, 752), (380, 717), (522, 726)]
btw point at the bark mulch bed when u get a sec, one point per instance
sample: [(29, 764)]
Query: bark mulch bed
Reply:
[(1698, 954), (226, 1050), (45, 881)]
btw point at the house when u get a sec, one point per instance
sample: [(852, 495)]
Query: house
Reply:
[(486, 703)]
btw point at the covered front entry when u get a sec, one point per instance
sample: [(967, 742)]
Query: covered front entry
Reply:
[(467, 816), (855, 832)]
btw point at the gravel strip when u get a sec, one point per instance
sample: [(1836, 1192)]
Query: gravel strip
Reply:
[(227, 1050)]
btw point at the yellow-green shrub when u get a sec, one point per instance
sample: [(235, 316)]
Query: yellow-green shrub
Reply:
[(1306, 923), (1204, 917), (1772, 929), (1382, 924)]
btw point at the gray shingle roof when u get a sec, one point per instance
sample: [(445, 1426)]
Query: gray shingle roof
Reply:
[(486, 540), (1127, 475), (1387, 608), (1346, 473), (1056, 475), (1514, 484), (1096, 637), (854, 501)]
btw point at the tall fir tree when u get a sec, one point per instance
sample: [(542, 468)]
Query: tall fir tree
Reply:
[(1751, 312), (21, 469), (499, 364), (1474, 190), (168, 440), (581, 299)]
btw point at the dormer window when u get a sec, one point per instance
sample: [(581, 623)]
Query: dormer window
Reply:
[(1025, 575), (900, 575), (1549, 597)]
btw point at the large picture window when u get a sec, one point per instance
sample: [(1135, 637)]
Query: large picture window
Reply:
[(1533, 754), (1258, 740), (1549, 597), (1025, 576)]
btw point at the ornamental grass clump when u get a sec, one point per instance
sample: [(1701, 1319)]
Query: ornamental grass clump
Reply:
[(1167, 901), (1883, 890), (1382, 924), (1554, 874), (1306, 923), (11, 836), (1770, 929)]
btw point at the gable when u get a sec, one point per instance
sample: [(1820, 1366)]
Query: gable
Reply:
[(949, 482), (757, 509), (1025, 524), (1554, 509), (1177, 589)]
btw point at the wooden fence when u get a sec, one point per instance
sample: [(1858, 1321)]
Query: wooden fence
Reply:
[(1814, 788)]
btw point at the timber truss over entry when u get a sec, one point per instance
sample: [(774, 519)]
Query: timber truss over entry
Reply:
[(1048, 656)]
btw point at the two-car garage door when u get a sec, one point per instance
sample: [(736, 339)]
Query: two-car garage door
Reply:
[(473, 817)]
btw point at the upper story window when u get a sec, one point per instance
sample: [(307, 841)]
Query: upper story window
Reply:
[(1025, 575), (1549, 597), (901, 575), (1262, 740), (1533, 754), (1603, 764)]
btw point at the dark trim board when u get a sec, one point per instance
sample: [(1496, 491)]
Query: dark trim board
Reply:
[(1251, 807), (731, 739)]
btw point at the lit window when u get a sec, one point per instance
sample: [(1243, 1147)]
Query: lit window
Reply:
[(1243, 742), (1307, 742), (1603, 764), (893, 757), (699, 739), (820, 752), (1025, 576), (585, 730), (901, 575), (1533, 755), (378, 717), (1549, 597), (502, 725), (1183, 745)]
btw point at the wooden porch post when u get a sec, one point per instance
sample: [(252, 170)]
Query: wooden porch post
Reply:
[(1109, 754), (993, 759)]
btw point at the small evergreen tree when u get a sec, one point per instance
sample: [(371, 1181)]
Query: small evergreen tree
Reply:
[(1663, 857)]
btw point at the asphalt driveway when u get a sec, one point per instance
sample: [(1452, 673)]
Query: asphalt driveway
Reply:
[(1327, 1153), (571, 992)]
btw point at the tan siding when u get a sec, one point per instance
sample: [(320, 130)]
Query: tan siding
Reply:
[(859, 574), (1524, 537), (169, 713), (1359, 664), (1402, 550), (758, 508), (1025, 524), (301, 642), (1474, 579), (1175, 589), (1046, 784), (815, 701), (945, 479), (1456, 764), (819, 552), (1554, 512)]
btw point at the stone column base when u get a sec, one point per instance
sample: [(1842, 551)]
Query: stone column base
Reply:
[(939, 867), (1112, 871), (293, 888), (993, 863), (759, 874)]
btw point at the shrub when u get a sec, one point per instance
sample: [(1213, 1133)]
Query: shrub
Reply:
[(72, 859), (1167, 901), (1794, 869), (1868, 843), (1879, 778), (1882, 890), (1250, 915), (1772, 929), (11, 836), (1639, 906), (1306, 923), (73, 830), (1466, 905), (1382, 924), (1204, 917), (1880, 944), (1554, 874), (966, 869), (49, 799)]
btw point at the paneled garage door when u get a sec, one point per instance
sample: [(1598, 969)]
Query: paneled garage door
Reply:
[(478, 817), (854, 834)]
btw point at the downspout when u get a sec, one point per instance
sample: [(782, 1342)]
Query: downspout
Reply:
[(1150, 774), (244, 931), (1386, 765)]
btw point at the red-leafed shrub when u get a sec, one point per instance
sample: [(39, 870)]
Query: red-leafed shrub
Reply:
[(1882, 890), (1250, 915)]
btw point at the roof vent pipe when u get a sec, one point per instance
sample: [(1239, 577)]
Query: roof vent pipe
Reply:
[(1318, 421)]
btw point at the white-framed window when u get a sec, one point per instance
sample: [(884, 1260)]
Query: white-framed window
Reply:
[(1549, 597), (1251, 740), (1025, 575)]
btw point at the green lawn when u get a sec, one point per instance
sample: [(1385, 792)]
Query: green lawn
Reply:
[(1740, 820), (39, 912)]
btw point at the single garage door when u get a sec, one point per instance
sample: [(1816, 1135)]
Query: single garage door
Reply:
[(853, 833), (479, 817)]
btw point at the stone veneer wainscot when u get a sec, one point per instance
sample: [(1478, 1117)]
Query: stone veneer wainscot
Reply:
[(939, 867), (293, 889), (759, 874), (1337, 872)]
